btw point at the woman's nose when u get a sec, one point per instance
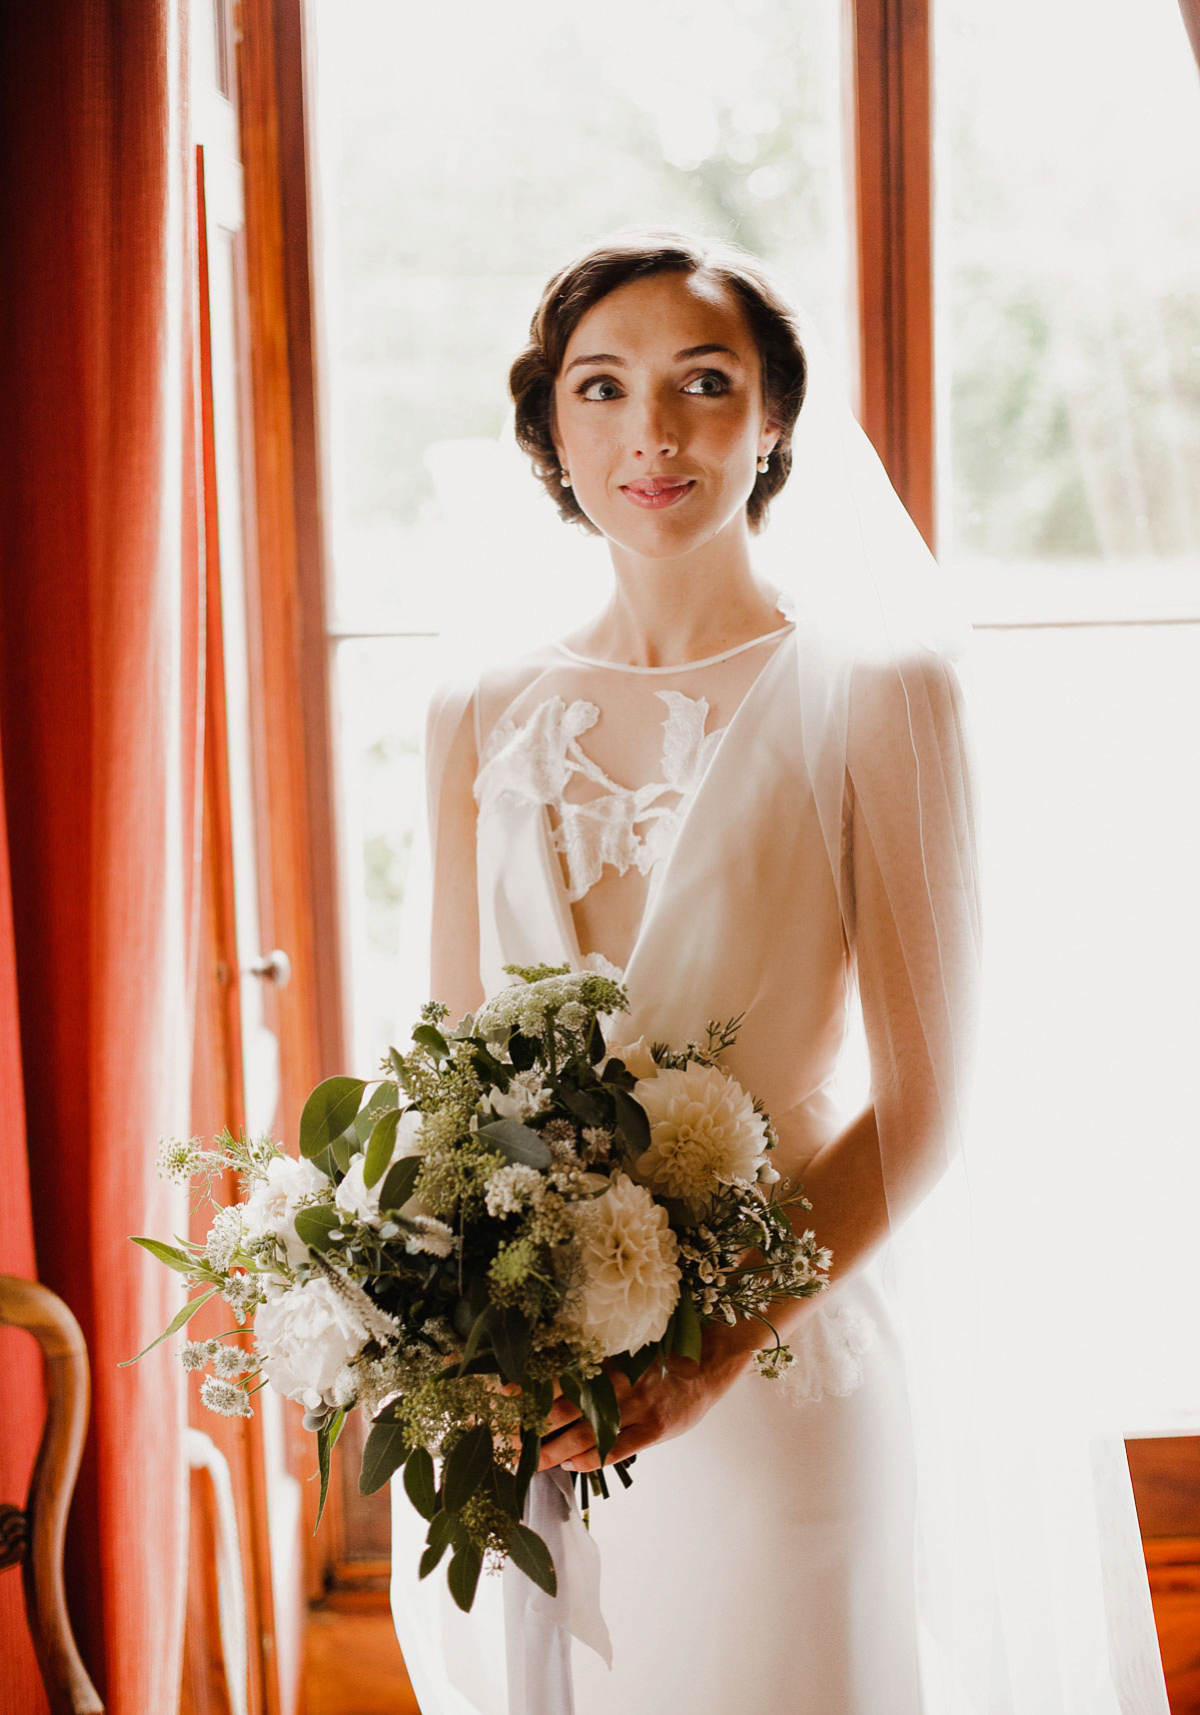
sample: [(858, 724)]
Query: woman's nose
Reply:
[(654, 434)]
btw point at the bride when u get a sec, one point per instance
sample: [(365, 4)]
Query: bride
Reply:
[(752, 807)]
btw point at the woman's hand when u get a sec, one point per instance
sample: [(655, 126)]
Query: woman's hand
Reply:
[(659, 1407)]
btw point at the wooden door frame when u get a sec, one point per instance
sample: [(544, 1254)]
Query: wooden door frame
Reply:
[(286, 584), (218, 1089)]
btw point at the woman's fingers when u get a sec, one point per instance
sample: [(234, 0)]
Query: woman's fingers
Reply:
[(562, 1412), (628, 1442)]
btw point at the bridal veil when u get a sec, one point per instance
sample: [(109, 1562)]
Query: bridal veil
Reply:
[(1032, 1588)]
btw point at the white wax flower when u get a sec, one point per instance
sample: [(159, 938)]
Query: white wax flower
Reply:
[(304, 1336), (360, 1201), (704, 1133), (630, 1277), (524, 1097), (276, 1200)]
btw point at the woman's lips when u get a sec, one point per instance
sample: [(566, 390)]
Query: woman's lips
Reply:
[(654, 493)]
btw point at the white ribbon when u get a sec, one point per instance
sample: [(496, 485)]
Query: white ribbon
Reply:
[(538, 1628)]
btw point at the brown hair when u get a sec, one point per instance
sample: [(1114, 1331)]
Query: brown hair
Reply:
[(576, 288)]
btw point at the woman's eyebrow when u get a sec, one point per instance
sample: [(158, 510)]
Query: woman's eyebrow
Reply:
[(680, 356)]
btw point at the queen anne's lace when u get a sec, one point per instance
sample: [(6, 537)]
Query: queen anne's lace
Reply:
[(629, 828)]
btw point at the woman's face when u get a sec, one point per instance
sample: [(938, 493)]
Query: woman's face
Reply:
[(659, 414)]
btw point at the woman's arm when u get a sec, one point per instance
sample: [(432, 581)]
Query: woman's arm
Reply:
[(913, 913), (451, 766)]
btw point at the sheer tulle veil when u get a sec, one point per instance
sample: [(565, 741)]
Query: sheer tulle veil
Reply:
[(1032, 1586)]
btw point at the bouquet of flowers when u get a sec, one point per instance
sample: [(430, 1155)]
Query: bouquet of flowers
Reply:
[(514, 1205)]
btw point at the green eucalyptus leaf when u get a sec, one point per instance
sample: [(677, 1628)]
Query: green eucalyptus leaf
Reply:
[(467, 1464), (463, 1576), (478, 1329), (400, 1183), (328, 1112), (618, 1075), (341, 1149), (509, 1332), (314, 1225), (588, 1109), (631, 1117), (432, 1039), (633, 1365), (522, 1051), (687, 1327), (177, 1322), (420, 1483), (595, 1043), (326, 1441), (179, 1260), (380, 1147), (530, 1554), (503, 1486), (598, 1402), (531, 1448), (442, 1530), (518, 1143), (385, 1451), (385, 1095)]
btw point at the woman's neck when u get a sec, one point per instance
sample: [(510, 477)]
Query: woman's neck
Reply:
[(665, 612)]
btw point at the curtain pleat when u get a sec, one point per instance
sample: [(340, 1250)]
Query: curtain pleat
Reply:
[(100, 691)]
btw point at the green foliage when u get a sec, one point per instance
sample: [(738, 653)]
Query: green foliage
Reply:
[(420, 1483), (177, 1322), (328, 1113), (379, 1148), (174, 1258), (326, 1441), (384, 1452)]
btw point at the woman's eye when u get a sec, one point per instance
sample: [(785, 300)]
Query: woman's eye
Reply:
[(709, 385), (603, 387)]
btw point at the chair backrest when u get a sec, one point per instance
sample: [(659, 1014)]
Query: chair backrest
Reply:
[(34, 1536)]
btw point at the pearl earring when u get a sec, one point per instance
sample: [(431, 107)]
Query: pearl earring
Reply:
[(764, 464), (565, 480)]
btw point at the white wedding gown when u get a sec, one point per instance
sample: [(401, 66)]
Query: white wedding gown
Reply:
[(663, 819)]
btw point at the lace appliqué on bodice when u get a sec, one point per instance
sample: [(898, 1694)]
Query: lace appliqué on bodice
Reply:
[(537, 759)]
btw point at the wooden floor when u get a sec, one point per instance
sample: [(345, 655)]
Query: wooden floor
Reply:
[(353, 1664)]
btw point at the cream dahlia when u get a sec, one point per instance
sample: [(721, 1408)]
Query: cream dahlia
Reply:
[(630, 1277), (704, 1133)]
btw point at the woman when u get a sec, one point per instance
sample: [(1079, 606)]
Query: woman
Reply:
[(750, 815)]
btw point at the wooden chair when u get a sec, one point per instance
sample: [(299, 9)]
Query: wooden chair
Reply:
[(33, 1537)]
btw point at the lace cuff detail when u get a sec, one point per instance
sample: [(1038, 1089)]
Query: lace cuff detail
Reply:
[(829, 1352)]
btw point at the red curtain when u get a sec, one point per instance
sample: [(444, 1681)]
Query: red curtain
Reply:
[(100, 732)]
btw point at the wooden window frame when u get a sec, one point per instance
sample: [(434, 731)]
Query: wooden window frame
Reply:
[(893, 178)]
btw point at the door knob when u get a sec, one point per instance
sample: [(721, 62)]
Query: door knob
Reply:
[(274, 967)]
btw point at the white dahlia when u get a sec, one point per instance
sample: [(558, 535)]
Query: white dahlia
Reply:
[(627, 1253), (704, 1133)]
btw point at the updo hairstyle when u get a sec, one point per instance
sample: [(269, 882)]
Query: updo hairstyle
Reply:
[(636, 256)]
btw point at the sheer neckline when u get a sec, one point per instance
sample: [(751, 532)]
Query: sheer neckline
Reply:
[(677, 666)]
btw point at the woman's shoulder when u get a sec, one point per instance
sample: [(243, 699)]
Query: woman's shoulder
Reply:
[(477, 699)]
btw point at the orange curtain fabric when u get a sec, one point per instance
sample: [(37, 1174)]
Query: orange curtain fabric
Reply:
[(101, 625), (21, 1388)]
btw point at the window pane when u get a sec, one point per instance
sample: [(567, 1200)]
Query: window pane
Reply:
[(1068, 164)]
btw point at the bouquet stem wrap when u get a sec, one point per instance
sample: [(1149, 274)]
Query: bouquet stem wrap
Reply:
[(538, 1628)]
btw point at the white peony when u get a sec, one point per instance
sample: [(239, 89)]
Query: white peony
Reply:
[(360, 1201), (630, 1276), (636, 1058), (289, 1186), (303, 1337), (704, 1133)]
